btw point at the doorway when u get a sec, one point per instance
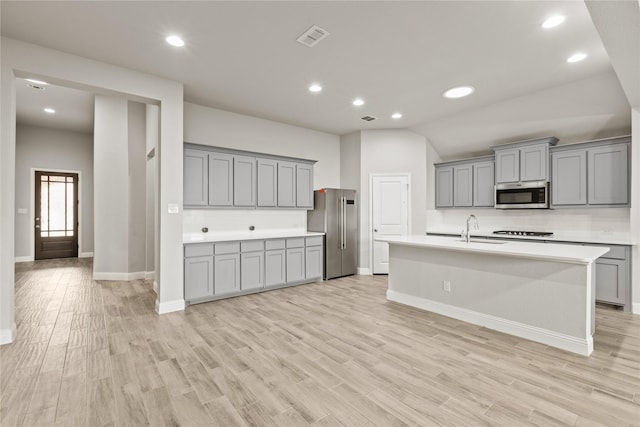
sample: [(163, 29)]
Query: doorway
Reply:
[(56, 215), (389, 215)]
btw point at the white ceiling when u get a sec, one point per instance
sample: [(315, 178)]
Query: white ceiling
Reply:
[(398, 56)]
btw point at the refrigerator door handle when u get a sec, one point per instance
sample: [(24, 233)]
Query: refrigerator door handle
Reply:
[(340, 222), (344, 223)]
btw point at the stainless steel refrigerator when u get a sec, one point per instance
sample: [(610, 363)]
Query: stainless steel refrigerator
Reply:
[(335, 213)]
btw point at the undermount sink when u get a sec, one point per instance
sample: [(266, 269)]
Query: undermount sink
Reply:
[(491, 242)]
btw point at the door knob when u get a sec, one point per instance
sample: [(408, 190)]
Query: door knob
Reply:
[(37, 226)]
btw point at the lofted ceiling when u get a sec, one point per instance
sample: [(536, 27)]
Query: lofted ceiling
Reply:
[(398, 56)]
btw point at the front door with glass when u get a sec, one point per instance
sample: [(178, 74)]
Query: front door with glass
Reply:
[(56, 215)]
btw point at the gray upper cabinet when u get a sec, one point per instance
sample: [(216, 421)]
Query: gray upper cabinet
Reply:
[(534, 162), (267, 183), (608, 175), (244, 181), (220, 179), (569, 178), (304, 186), (463, 185), (196, 177), (508, 165), (483, 184), (594, 173), (286, 184), (444, 186), (523, 160)]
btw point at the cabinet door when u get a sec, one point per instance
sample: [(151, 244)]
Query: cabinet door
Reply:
[(608, 175), (227, 274), (611, 280), (534, 160), (220, 179), (313, 262), (198, 277), (196, 178), (252, 270), (295, 265), (267, 182), (444, 187), (569, 178), (463, 185), (275, 273), (483, 184), (244, 181), (286, 184), (304, 186), (508, 165)]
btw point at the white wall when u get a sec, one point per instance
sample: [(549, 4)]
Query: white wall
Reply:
[(28, 60), (635, 208), (137, 188), (210, 126), (152, 129), (392, 151), (51, 149)]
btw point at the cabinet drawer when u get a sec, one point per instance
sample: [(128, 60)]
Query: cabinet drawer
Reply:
[(615, 252), (314, 241), (227, 248), (274, 244), (199, 249), (295, 243), (252, 246)]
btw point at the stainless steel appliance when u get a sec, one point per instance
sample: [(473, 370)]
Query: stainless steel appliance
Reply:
[(522, 195), (523, 233), (335, 213)]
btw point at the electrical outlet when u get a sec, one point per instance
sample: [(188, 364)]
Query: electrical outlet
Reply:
[(446, 286)]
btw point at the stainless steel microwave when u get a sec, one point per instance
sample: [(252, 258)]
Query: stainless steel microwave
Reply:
[(522, 195)]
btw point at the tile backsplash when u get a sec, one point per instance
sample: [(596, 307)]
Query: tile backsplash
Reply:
[(218, 220)]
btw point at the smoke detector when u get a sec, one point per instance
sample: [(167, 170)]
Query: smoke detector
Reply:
[(369, 118), (312, 36)]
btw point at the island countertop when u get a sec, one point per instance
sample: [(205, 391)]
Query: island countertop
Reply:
[(552, 251)]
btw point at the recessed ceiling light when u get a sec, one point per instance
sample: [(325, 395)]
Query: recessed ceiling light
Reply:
[(576, 57), (553, 21), (175, 41), (458, 92), (38, 82), (396, 115), (49, 110), (358, 102), (315, 88)]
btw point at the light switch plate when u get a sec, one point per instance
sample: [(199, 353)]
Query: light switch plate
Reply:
[(173, 208)]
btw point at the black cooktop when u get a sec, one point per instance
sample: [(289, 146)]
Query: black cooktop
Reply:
[(524, 233)]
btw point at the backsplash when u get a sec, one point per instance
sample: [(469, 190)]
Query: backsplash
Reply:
[(241, 219), (603, 220)]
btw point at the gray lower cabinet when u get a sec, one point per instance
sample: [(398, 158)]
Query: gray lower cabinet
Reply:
[(613, 280), (286, 184), (313, 259), (569, 178), (220, 179), (444, 186), (267, 183), (196, 177), (198, 277), (252, 270), (463, 185), (295, 260), (275, 267), (244, 181), (226, 274), (608, 175), (304, 186), (483, 184)]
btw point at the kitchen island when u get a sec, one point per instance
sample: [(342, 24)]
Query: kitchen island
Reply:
[(544, 293)]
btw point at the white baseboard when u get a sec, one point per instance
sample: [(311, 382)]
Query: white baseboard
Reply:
[(85, 255), (635, 308), (149, 275), (136, 275), (533, 333), (169, 306), (23, 259), (8, 335), (155, 287), (364, 271)]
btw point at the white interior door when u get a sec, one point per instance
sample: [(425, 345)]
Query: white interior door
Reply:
[(390, 215)]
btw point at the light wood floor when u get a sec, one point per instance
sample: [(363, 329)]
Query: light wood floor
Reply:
[(332, 353)]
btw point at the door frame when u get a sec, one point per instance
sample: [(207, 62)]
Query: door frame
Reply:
[(32, 210), (370, 231)]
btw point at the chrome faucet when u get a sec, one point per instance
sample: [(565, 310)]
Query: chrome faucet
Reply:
[(467, 235)]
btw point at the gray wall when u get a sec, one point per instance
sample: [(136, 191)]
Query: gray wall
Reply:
[(137, 187), (50, 149)]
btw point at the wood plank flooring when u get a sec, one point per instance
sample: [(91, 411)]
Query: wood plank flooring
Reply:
[(334, 353)]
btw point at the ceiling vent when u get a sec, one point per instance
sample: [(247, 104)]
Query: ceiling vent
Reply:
[(369, 118), (312, 36), (35, 86)]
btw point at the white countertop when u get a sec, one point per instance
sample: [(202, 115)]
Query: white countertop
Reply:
[(604, 238), (552, 251), (228, 236)]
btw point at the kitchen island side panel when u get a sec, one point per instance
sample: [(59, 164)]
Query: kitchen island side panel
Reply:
[(551, 298)]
